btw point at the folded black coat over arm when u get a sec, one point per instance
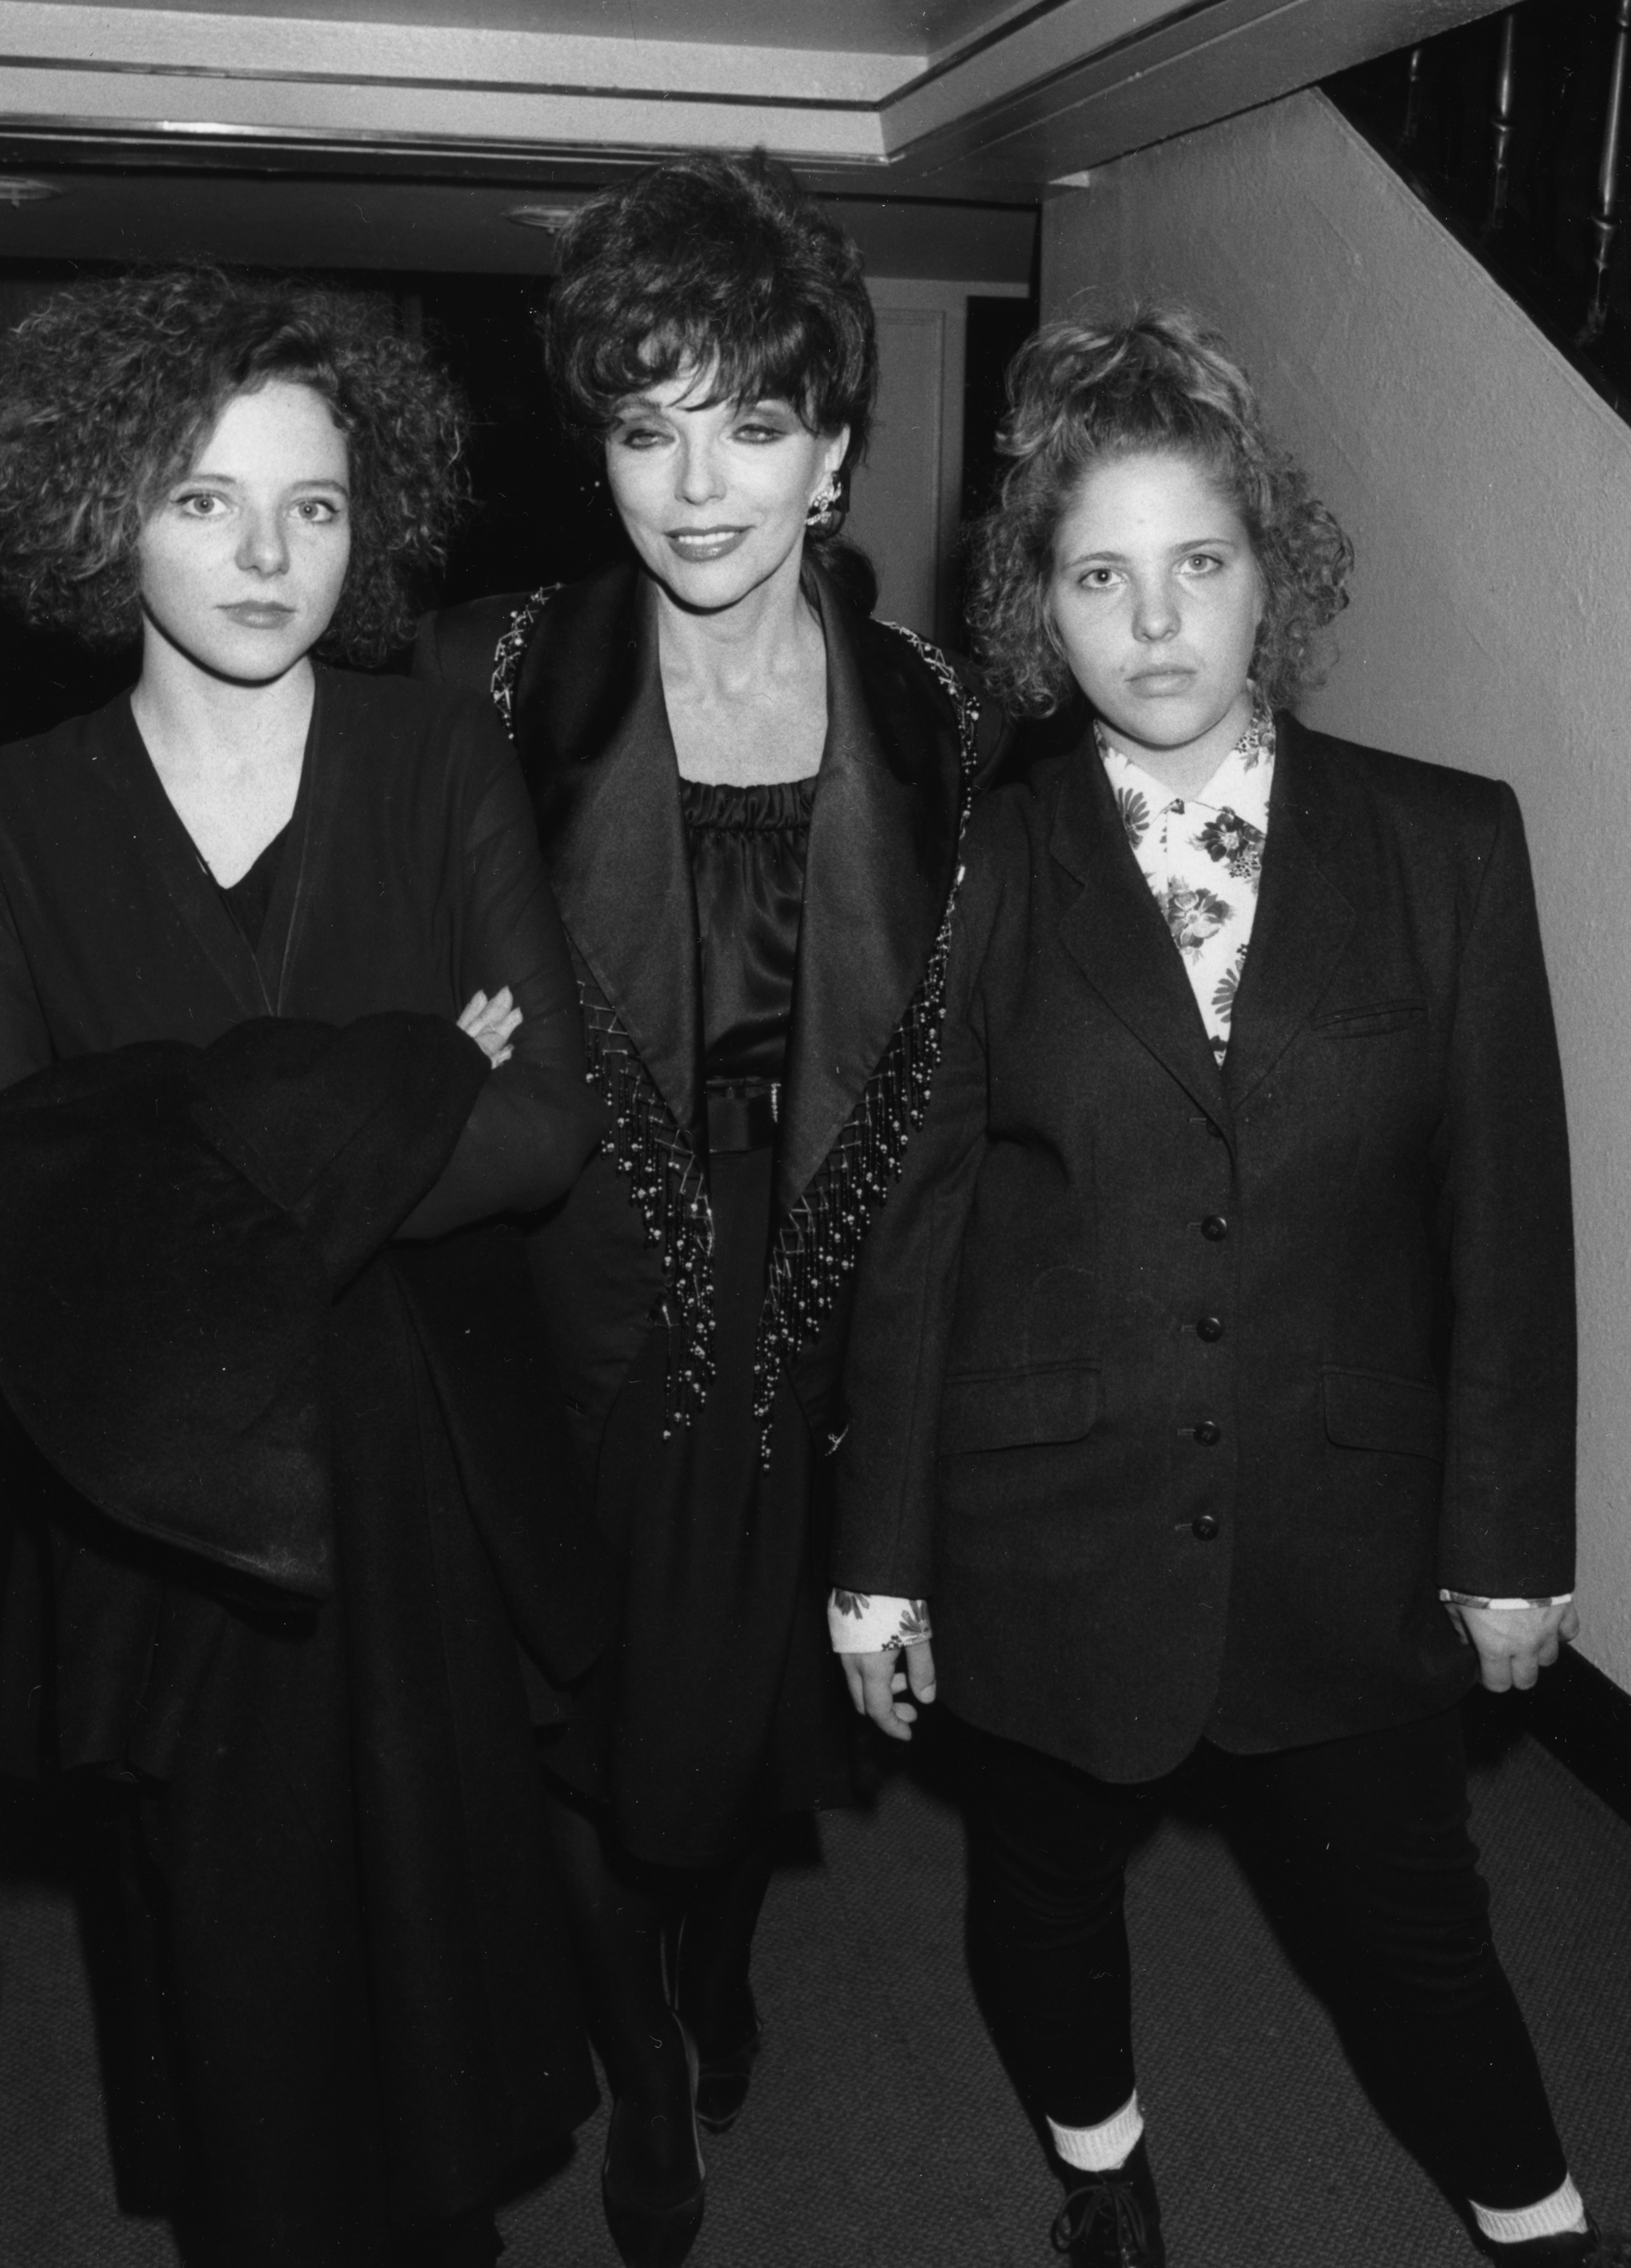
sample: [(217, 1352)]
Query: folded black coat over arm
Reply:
[(175, 1223)]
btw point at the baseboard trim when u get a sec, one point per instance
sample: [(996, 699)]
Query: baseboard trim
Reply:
[(1585, 1719)]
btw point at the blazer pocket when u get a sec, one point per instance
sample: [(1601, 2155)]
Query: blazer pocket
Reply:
[(1365, 1410), (1019, 1409), (1365, 1023)]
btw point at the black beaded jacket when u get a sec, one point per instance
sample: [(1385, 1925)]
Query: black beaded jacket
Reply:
[(575, 670)]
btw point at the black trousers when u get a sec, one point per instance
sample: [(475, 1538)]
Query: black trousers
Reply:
[(1363, 1844)]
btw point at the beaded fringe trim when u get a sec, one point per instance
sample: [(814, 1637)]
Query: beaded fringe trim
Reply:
[(820, 1241), (511, 650), (647, 1145), (668, 1188)]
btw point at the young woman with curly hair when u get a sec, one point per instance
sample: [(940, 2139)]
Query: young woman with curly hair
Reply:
[(291, 923), (749, 793), (110, 390), (1211, 1383)]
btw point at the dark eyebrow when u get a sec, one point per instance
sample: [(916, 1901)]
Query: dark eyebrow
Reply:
[(638, 401), (648, 402)]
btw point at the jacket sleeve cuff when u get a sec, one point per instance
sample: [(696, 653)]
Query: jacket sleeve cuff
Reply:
[(862, 1621), (1475, 1599)]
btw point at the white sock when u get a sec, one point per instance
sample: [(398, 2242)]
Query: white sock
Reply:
[(1561, 2214), (1101, 2149)]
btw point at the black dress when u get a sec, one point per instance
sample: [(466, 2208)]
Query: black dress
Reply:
[(718, 1708), (694, 1284), (357, 2010)]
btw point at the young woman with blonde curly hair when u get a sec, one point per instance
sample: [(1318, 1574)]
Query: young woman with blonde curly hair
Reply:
[(1212, 1380), (283, 1000)]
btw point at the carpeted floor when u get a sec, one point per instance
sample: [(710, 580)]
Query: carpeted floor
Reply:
[(881, 2130)]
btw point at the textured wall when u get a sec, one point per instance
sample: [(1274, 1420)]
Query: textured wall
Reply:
[(1488, 494)]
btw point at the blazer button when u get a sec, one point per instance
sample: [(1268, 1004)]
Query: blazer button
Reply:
[(1204, 1528), (1208, 1432), (1214, 1228), (1210, 1328)]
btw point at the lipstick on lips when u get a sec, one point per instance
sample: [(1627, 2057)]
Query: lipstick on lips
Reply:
[(704, 542)]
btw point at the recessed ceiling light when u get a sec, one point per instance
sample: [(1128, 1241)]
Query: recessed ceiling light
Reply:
[(15, 191), (550, 218)]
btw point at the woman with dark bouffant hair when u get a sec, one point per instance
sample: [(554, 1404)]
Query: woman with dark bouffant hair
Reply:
[(285, 1003), (1210, 1379), (750, 796)]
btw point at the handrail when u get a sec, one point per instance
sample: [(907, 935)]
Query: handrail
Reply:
[(1515, 129), (1501, 118), (1606, 217)]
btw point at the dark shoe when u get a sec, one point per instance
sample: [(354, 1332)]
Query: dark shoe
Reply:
[(653, 2205), (1112, 2221), (723, 2072), (1593, 2250)]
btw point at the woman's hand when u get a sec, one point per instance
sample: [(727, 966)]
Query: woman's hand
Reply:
[(1515, 1644), (875, 1679), (491, 1024)]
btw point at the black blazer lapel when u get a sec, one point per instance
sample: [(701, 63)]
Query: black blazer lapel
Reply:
[(878, 870), (1303, 920), (592, 732), (175, 858), (1115, 931)]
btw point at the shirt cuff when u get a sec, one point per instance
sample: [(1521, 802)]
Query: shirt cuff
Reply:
[(1474, 1598), (859, 1622)]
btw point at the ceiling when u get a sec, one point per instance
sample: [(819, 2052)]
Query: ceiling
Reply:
[(969, 102), (914, 29)]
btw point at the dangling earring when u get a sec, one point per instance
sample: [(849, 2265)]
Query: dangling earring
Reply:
[(826, 507)]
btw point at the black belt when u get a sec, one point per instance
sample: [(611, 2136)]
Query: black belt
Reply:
[(742, 1114)]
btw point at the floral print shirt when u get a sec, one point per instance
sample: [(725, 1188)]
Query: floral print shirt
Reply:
[(1202, 856)]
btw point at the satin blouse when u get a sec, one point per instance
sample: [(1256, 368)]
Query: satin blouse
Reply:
[(747, 847)]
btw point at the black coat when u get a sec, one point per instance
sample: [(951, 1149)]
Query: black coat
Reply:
[(592, 734), (176, 1223), (362, 1961), (1179, 1391)]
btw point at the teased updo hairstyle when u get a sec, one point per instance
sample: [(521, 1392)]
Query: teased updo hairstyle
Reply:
[(108, 390), (1082, 394), (720, 264)]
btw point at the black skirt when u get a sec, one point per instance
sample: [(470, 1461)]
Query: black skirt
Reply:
[(719, 1706)]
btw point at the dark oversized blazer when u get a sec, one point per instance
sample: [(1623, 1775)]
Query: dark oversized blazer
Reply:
[(592, 732), (1179, 1391)]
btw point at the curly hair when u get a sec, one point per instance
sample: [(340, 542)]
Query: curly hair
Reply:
[(108, 390), (1080, 394), (717, 264)]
